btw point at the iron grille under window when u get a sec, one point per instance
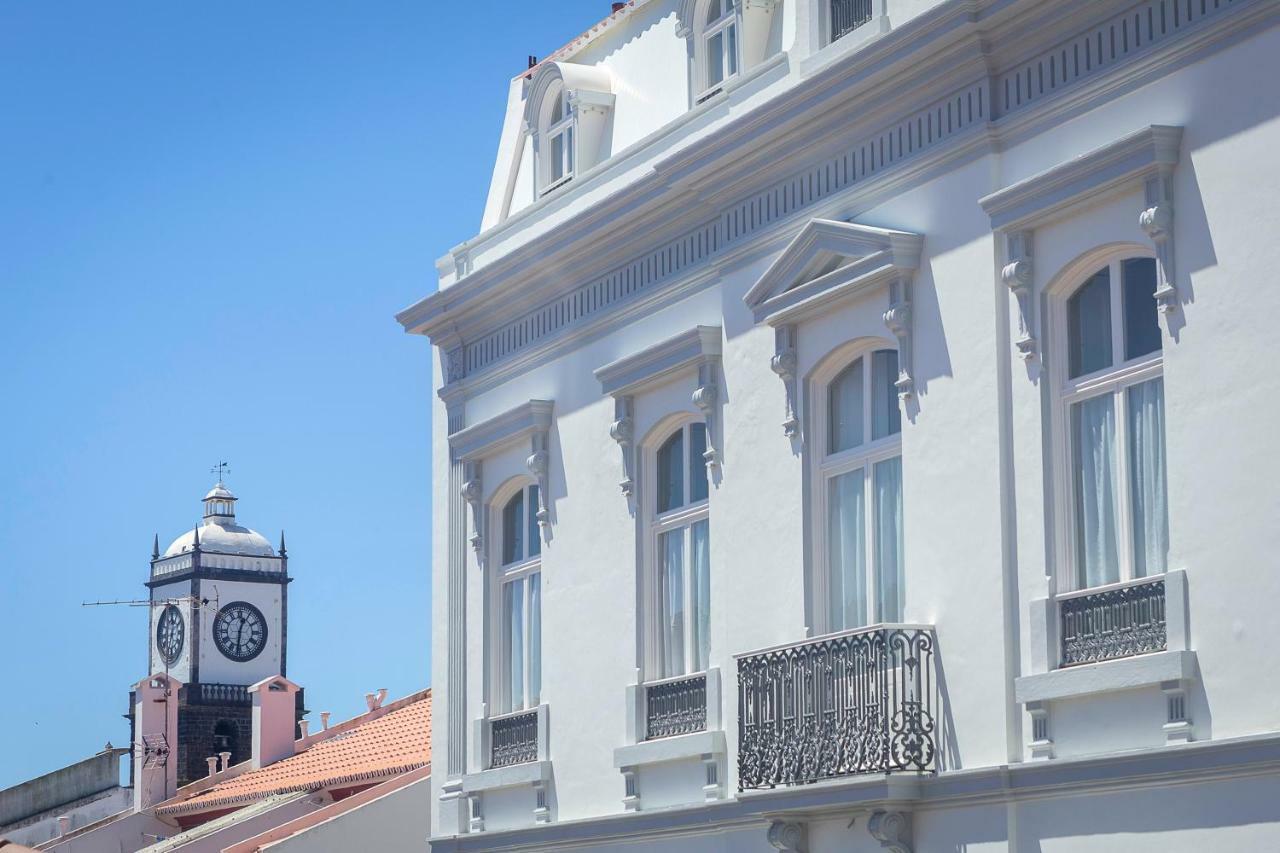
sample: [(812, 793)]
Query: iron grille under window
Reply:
[(848, 15), (1114, 623), (513, 739), (676, 707)]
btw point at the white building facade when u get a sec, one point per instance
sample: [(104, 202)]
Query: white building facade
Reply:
[(852, 434)]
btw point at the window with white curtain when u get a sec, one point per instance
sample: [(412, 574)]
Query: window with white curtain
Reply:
[(858, 500), (680, 544), (718, 45), (555, 139), (1113, 403), (519, 604)]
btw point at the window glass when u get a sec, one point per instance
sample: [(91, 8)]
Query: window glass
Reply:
[(886, 418), (731, 34), (557, 157), (846, 551), (535, 638), (513, 628), (671, 579), (700, 569), (513, 529), (1093, 427), (715, 59), (889, 575), (671, 472), (1141, 319), (1089, 325), (697, 463), (845, 409), (531, 524), (1147, 478)]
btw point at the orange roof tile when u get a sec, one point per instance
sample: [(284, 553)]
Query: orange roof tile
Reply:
[(395, 742)]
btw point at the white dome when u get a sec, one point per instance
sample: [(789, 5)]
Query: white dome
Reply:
[(219, 491), (228, 538)]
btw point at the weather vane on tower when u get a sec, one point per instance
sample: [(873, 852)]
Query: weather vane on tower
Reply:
[(220, 469)]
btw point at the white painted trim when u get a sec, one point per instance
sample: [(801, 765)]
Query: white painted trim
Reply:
[(678, 748), (482, 439), (516, 775), (653, 365), (1107, 676)]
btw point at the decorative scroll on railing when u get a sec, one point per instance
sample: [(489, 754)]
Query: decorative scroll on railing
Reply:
[(675, 707), (848, 15), (218, 694), (1113, 623), (860, 702), (513, 739)]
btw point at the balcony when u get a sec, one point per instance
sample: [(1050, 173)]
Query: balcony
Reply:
[(857, 702), (675, 706), (513, 739)]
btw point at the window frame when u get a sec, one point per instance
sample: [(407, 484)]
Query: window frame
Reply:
[(655, 525), (564, 128), (1114, 381), (825, 466), (707, 30), (521, 569)]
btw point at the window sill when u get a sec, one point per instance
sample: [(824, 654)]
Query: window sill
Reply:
[(1107, 676), (697, 745), (514, 776)]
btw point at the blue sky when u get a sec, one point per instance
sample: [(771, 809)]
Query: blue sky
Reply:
[(209, 213)]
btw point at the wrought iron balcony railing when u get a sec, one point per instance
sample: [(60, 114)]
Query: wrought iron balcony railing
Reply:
[(513, 739), (857, 702), (676, 706), (848, 15), (1117, 621)]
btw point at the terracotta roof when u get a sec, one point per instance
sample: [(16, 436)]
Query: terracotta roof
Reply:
[(394, 742)]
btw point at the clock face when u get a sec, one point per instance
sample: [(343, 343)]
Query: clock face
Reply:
[(169, 635), (240, 631)]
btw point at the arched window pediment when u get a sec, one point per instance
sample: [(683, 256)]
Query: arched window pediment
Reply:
[(567, 111)]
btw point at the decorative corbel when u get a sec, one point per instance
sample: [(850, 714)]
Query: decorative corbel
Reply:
[(538, 463), (622, 430), (898, 321), (789, 836), (1018, 276), (892, 830), (455, 364), (707, 397), (472, 490), (783, 363), (1157, 221)]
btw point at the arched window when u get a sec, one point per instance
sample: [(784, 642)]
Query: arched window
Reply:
[(519, 603), (717, 48), (1113, 398), (858, 498), (555, 139), (680, 542)]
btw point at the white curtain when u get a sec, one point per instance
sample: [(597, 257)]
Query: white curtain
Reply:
[(1094, 427), (535, 638), (672, 593), (700, 572), (846, 551), (1147, 478), (889, 574), (513, 607)]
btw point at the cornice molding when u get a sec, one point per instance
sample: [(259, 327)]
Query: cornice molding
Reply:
[(480, 440), (1117, 166), (652, 365), (487, 338)]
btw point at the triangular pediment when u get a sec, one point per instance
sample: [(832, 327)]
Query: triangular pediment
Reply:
[(830, 259)]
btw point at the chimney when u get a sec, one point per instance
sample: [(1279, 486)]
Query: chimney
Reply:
[(226, 760), (274, 719), (155, 714), (618, 7), (212, 761), (64, 824), (303, 726), (324, 720), (375, 701)]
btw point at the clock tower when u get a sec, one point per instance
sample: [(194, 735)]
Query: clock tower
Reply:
[(219, 623)]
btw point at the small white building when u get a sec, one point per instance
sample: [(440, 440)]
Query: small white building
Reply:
[(923, 338)]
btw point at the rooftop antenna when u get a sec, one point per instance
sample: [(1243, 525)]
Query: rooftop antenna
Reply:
[(220, 469)]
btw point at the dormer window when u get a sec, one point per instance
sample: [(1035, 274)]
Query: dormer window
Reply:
[(718, 45), (556, 139), (568, 114)]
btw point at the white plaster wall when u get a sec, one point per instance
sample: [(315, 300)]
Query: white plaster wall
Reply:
[(398, 821), (82, 814), (970, 533)]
